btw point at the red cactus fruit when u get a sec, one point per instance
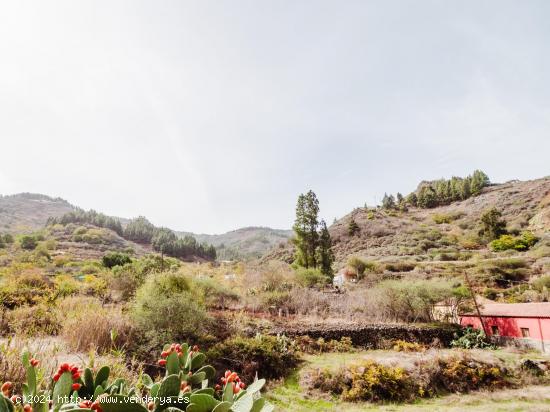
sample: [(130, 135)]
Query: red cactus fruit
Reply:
[(7, 386), (76, 386), (162, 362)]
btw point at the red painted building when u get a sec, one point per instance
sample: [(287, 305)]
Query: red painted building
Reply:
[(529, 322)]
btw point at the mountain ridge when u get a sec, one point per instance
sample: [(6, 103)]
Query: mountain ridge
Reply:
[(394, 234), (25, 212)]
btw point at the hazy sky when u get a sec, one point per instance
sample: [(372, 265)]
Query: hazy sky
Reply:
[(212, 115)]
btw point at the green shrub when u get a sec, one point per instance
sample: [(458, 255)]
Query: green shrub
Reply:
[(166, 307), (440, 218), (373, 382), (311, 277), (28, 242), (404, 346), (463, 375), (520, 243), (269, 356), (308, 345), (541, 283), (66, 285), (400, 266), (367, 381), (27, 287), (214, 294), (113, 259), (410, 300), (358, 264)]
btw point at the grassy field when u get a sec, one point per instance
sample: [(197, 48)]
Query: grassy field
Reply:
[(291, 396)]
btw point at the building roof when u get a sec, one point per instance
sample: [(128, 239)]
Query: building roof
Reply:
[(516, 310)]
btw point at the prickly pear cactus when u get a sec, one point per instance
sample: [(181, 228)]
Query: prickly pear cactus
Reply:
[(188, 385)]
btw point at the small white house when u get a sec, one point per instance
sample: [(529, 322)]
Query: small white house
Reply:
[(344, 275)]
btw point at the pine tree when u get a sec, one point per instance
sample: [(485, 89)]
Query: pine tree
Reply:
[(427, 197), (353, 227), (412, 199), (465, 192), (493, 226), (305, 229), (388, 202), (312, 224), (325, 256), (479, 181)]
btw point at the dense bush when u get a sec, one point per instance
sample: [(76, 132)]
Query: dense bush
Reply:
[(311, 277), (269, 356), (400, 266), (404, 346), (441, 218), (520, 243), (113, 259), (492, 224), (24, 287), (503, 272), (367, 381), (213, 294), (373, 382), (28, 242), (166, 307), (411, 301), (309, 345)]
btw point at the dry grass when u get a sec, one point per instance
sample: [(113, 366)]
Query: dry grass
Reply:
[(11, 368), (88, 325)]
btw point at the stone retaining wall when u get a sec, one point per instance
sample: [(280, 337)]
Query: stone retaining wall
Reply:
[(377, 335)]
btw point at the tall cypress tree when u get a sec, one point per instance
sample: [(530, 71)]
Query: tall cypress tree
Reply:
[(305, 229), (312, 224), (300, 231), (325, 257)]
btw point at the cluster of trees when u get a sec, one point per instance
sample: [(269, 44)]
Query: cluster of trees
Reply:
[(140, 230), (91, 217), (440, 192), (312, 238), (164, 240)]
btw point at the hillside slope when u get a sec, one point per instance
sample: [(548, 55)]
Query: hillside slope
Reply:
[(244, 243), (386, 234), (524, 205), (25, 212)]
